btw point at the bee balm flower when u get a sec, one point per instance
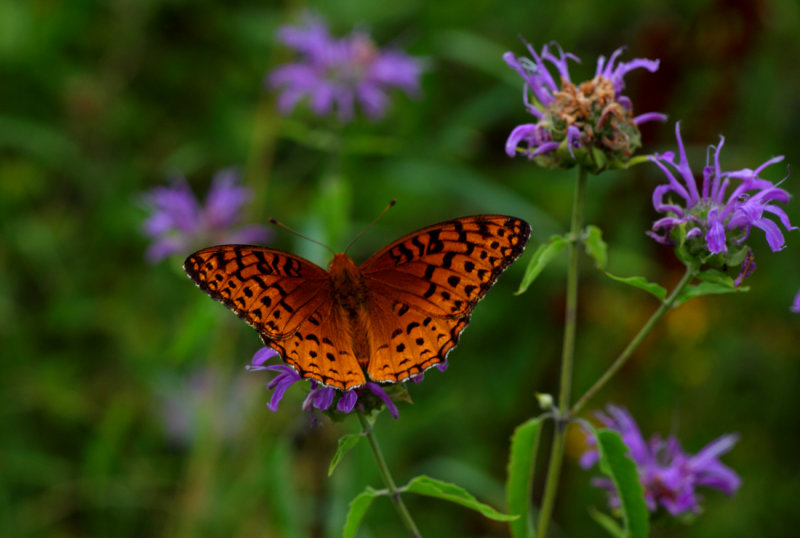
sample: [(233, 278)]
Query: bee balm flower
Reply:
[(340, 72), (668, 475), (715, 218), (590, 124)]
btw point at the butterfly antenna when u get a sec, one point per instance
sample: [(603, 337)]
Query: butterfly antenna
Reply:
[(279, 224), (368, 226)]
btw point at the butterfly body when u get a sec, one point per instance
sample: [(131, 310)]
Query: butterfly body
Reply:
[(349, 292), (391, 318)]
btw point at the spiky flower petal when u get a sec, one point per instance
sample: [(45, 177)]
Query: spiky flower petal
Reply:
[(716, 217)]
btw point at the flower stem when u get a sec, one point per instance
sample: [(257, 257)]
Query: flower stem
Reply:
[(394, 494), (567, 354), (634, 343)]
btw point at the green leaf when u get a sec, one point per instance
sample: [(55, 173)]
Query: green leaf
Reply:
[(717, 277), (607, 522), (543, 255), (346, 442), (641, 283), (358, 507), (595, 246), (622, 470), (425, 485), (706, 288), (521, 461)]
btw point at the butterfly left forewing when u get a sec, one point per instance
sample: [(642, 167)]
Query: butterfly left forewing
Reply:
[(446, 268)]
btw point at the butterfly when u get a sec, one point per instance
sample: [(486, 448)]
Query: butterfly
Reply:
[(391, 318)]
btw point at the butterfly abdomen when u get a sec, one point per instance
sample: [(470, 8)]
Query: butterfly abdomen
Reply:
[(349, 294)]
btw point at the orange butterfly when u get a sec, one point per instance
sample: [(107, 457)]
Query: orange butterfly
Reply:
[(392, 317)]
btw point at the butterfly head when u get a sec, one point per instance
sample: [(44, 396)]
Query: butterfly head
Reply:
[(342, 269)]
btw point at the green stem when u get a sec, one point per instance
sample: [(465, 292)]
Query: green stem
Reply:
[(634, 343), (567, 354), (394, 494)]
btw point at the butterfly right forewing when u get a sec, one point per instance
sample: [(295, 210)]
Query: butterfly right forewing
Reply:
[(272, 290)]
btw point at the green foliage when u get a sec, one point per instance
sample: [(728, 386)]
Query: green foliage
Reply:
[(358, 507), (595, 246), (641, 282), (543, 256), (126, 407), (607, 522), (519, 485), (431, 487), (712, 282), (622, 470), (346, 443)]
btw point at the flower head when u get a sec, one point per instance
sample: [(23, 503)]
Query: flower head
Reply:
[(590, 124), (716, 219), (338, 72), (178, 223), (365, 398), (668, 475), (796, 304)]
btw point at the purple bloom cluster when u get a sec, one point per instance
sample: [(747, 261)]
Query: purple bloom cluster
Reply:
[(320, 397), (718, 217), (668, 475), (593, 114), (340, 72), (178, 223), (796, 304)]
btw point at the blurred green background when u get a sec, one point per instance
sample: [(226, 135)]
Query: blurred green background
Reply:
[(126, 410)]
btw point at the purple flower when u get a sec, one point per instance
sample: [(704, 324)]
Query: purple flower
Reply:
[(592, 115), (178, 223), (668, 475), (367, 397), (717, 217), (796, 304), (338, 72)]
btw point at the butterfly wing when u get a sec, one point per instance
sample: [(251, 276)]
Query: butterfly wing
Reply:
[(424, 286), (287, 300)]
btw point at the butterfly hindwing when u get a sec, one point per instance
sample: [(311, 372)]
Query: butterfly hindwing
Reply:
[(320, 350), (407, 341)]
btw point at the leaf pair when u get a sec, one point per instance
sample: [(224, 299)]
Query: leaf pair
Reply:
[(711, 282), (421, 485), (613, 461)]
